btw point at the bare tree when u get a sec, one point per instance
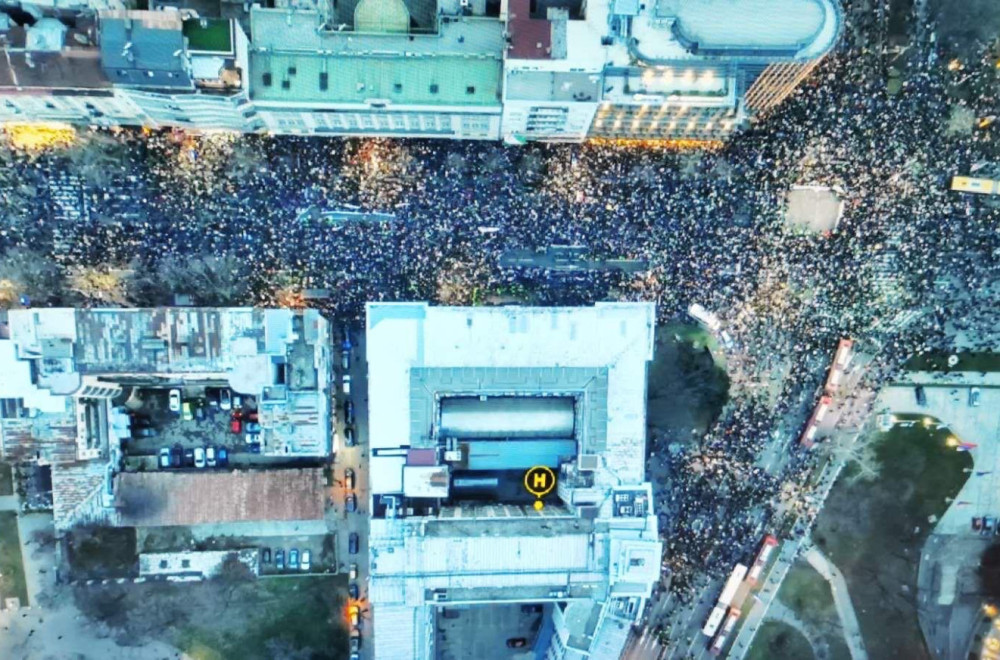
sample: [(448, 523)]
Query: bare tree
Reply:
[(27, 272), (208, 279), (101, 284), (857, 450)]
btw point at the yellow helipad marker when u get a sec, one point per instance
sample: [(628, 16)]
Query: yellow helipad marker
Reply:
[(539, 481)]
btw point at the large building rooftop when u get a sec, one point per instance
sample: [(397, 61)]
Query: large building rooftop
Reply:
[(483, 392), (294, 59)]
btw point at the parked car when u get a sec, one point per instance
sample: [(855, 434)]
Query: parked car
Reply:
[(237, 402), (352, 503), (293, 559), (977, 524), (355, 643), (516, 642), (921, 395), (265, 556), (349, 437), (210, 456), (175, 400), (225, 399), (347, 384), (188, 458), (279, 559), (223, 458), (988, 523), (352, 543), (164, 458), (345, 359), (199, 457), (306, 563), (352, 573), (176, 456), (143, 433), (199, 412), (349, 478), (186, 414), (450, 613), (252, 427), (354, 612), (254, 447), (974, 394), (212, 397), (235, 425), (531, 608), (352, 590), (348, 413)]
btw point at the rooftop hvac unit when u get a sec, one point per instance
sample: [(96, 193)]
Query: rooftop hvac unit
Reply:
[(453, 456), (588, 462)]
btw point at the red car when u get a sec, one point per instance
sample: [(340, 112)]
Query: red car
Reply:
[(235, 425)]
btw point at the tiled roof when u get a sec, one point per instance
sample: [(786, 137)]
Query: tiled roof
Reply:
[(73, 485), (192, 498)]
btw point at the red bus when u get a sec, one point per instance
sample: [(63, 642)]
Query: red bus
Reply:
[(819, 412), (727, 628), (845, 351), (767, 548)]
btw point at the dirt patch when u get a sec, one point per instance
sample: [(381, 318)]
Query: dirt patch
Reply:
[(873, 531)]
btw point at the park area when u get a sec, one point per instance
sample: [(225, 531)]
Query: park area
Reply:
[(874, 531), (807, 596), (12, 582), (779, 641), (234, 616), (688, 385)]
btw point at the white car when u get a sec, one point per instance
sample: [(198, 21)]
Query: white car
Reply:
[(347, 383), (225, 399), (199, 457), (974, 394), (175, 400), (305, 562), (164, 458), (210, 456)]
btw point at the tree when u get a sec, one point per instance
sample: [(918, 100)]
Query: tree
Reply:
[(210, 280), (859, 450), (96, 157), (101, 284), (30, 273)]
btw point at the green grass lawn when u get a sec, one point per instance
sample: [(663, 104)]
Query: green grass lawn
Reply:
[(11, 564), (6, 479), (874, 531), (237, 617), (966, 362), (806, 593), (282, 616), (779, 641)]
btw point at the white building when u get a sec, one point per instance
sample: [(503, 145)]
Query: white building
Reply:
[(461, 402), (666, 69)]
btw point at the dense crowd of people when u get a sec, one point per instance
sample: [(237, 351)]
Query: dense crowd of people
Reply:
[(710, 224)]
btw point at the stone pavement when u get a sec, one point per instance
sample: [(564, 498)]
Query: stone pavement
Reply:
[(841, 599)]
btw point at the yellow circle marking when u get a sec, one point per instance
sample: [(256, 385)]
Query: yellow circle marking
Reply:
[(539, 481)]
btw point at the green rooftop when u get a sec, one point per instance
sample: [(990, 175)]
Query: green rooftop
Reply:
[(214, 35), (423, 80)]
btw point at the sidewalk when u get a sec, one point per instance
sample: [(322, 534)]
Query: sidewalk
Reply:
[(9, 503), (841, 599)]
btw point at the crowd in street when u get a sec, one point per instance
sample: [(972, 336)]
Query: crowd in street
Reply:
[(710, 225)]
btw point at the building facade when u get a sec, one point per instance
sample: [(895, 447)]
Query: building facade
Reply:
[(462, 403), (517, 70)]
